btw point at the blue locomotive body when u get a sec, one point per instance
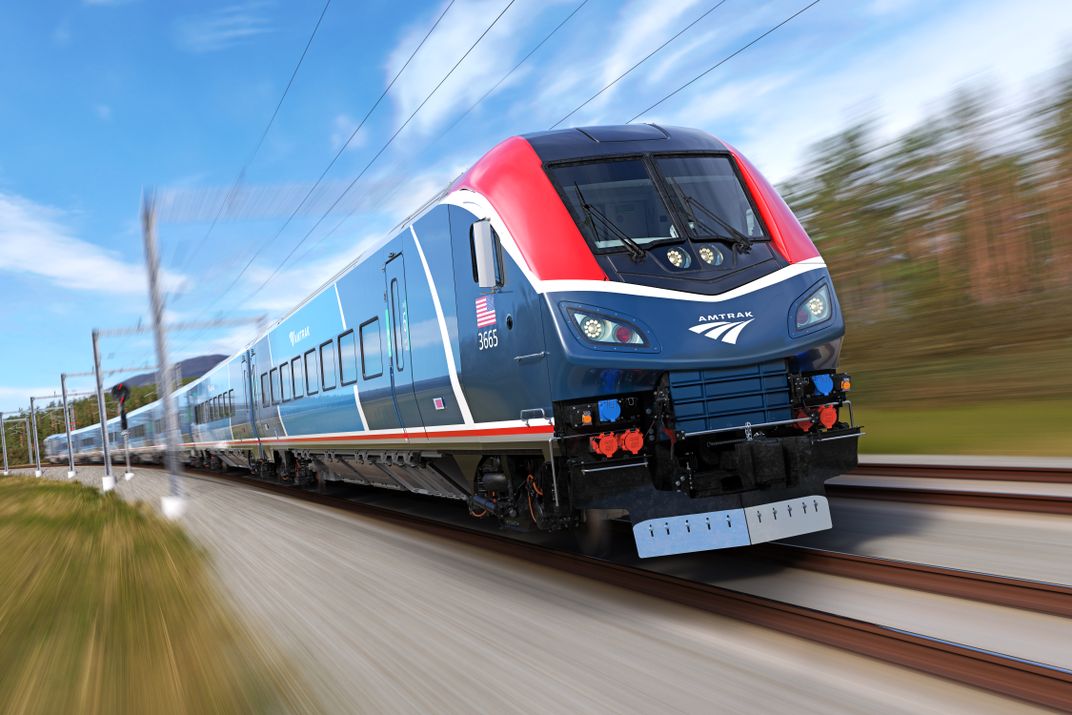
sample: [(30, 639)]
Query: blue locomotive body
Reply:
[(598, 320)]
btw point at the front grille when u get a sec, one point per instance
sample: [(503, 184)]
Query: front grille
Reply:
[(729, 397)]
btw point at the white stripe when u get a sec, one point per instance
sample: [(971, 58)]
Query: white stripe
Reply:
[(342, 315), (479, 205), (271, 362), (731, 337), (782, 274), (452, 369)]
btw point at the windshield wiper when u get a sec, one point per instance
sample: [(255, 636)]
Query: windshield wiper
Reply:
[(737, 239), (636, 251)]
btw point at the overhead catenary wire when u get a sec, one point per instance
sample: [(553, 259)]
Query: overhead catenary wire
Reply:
[(457, 121), (726, 59), (379, 153), (265, 244), (513, 69), (334, 159), (647, 57), (263, 136)]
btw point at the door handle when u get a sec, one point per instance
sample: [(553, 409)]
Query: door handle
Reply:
[(530, 357)]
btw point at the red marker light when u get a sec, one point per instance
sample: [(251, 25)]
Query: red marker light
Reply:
[(623, 334), (828, 416), (605, 444), (632, 441)]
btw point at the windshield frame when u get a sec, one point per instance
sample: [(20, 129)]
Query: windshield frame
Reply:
[(678, 216)]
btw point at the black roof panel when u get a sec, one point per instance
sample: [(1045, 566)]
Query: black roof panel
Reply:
[(585, 142)]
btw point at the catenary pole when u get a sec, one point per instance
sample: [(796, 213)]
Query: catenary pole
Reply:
[(127, 475), (173, 504), (67, 427), (108, 482), (36, 446), (3, 440)]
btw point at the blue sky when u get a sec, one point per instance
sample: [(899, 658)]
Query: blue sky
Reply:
[(101, 98)]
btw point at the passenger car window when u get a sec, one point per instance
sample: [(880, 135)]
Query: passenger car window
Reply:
[(347, 358), (327, 365), (299, 379), (284, 381), (274, 384), (312, 384), (266, 393), (371, 350)]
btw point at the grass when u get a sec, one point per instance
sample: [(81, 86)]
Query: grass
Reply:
[(105, 608), (1025, 427)]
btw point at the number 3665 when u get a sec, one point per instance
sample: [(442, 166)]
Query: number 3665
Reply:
[(488, 339)]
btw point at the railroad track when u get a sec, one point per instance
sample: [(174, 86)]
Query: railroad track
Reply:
[(1055, 599), (871, 478), (1038, 475), (1030, 681)]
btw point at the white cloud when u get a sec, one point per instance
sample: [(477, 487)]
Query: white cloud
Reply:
[(638, 30), (485, 65), (222, 28), (644, 26), (786, 102), (297, 281), (34, 242)]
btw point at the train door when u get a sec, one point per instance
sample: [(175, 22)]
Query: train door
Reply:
[(244, 420), (399, 345)]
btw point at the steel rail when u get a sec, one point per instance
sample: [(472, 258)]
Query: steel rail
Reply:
[(1040, 596), (1040, 475), (1005, 501), (1030, 681)]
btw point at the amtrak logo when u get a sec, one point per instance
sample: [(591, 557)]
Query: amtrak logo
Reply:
[(297, 336), (726, 327)]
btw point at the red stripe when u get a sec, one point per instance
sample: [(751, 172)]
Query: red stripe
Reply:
[(512, 178), (419, 434)]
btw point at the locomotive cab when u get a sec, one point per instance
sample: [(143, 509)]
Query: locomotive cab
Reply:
[(692, 336)]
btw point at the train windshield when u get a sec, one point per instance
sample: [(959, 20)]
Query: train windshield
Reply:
[(710, 196), (615, 203)]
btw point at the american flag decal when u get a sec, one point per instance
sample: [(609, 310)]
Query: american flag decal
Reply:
[(485, 311)]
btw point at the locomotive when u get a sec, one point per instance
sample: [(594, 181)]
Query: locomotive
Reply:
[(590, 322)]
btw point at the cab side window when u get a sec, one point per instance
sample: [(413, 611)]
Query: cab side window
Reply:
[(500, 277)]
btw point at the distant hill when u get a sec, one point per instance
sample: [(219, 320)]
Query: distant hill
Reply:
[(190, 368)]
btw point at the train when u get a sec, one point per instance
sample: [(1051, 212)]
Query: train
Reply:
[(589, 323)]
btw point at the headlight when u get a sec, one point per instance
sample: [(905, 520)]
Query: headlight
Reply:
[(600, 329), (710, 255), (814, 309), (678, 258)]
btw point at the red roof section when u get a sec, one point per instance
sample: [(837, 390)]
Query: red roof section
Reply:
[(512, 178), (787, 235)]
